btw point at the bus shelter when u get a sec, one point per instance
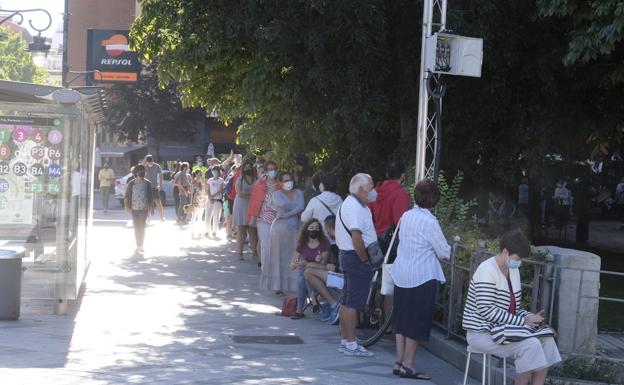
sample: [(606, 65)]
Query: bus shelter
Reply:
[(47, 156)]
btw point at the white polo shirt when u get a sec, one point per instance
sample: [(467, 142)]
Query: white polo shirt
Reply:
[(356, 216)]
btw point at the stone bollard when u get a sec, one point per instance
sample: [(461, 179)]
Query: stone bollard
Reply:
[(575, 318)]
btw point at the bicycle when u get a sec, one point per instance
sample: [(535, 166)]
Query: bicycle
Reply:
[(375, 319), (373, 322)]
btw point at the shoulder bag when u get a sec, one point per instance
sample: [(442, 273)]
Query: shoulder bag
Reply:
[(387, 284), (375, 255)]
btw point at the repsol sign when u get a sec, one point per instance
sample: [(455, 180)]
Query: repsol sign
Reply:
[(109, 58)]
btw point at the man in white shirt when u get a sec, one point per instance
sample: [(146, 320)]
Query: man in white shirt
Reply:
[(354, 232)]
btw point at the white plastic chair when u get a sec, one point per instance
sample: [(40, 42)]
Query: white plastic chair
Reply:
[(487, 366)]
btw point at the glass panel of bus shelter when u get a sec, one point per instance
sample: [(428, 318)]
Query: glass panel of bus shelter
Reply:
[(38, 144)]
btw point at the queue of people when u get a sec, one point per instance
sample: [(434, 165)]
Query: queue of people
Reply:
[(320, 251)]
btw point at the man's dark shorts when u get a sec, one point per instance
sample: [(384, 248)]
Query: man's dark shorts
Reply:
[(357, 276), (155, 194)]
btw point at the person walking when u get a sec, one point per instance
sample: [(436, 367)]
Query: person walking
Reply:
[(276, 273), (197, 201), (259, 212), (243, 186), (415, 273), (354, 232), (493, 311), (106, 177), (183, 182), (214, 196), (154, 174), (138, 201)]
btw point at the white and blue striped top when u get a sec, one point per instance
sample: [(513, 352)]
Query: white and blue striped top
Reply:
[(421, 244), (488, 298)]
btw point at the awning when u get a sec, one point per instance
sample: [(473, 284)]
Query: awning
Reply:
[(119, 151)]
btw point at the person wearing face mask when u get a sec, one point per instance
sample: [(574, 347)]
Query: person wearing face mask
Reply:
[(416, 272), (287, 203), (355, 231), (200, 165), (325, 204), (106, 177), (259, 212), (392, 199), (243, 186), (493, 316), (214, 205), (138, 201), (312, 251)]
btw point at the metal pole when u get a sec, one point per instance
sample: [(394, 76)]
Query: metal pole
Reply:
[(64, 68)]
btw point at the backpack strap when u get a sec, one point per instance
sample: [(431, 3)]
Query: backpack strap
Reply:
[(343, 224)]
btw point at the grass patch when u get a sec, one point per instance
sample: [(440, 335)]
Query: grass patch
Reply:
[(580, 368)]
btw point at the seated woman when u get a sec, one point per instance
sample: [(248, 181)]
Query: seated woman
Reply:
[(494, 321), (312, 250), (324, 278)]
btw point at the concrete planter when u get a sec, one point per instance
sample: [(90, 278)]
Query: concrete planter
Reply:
[(571, 381)]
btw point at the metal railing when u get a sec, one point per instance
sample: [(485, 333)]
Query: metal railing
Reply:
[(540, 284)]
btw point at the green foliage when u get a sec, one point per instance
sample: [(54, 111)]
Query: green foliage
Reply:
[(453, 212), (15, 62), (581, 368), (307, 77), (147, 109)]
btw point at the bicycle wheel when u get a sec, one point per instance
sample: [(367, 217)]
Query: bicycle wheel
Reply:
[(374, 323)]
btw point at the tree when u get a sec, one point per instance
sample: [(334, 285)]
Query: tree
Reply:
[(149, 109), (16, 63), (314, 78)]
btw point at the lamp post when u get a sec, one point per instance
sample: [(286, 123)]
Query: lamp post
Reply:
[(38, 48)]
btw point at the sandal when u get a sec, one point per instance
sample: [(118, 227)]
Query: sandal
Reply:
[(396, 372), (409, 373), (298, 316)]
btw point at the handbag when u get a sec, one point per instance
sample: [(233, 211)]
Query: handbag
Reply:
[(375, 255), (289, 305), (387, 284)]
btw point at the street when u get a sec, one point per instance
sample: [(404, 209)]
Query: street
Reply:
[(184, 314)]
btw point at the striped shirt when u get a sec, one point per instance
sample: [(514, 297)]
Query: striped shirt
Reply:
[(488, 298), (267, 214), (421, 244)]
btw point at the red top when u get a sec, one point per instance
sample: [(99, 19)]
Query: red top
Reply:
[(512, 298), (392, 201), (258, 194), (232, 195)]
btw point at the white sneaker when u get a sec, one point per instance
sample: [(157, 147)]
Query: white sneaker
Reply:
[(341, 348), (360, 351)]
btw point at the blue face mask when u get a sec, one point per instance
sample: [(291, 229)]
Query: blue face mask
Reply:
[(513, 264), (272, 174), (372, 196)]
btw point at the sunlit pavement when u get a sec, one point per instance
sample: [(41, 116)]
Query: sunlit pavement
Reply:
[(170, 318)]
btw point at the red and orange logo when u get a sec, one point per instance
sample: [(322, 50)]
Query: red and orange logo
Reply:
[(116, 45)]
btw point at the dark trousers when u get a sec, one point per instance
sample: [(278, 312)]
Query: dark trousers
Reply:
[(139, 219)]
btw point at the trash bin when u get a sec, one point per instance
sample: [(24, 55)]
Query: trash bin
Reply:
[(10, 283)]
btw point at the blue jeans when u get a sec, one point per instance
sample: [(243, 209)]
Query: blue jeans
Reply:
[(184, 200), (303, 288)]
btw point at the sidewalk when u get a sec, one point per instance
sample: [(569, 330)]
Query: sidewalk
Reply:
[(172, 317)]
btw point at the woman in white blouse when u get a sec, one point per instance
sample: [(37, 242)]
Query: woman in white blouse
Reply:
[(415, 273)]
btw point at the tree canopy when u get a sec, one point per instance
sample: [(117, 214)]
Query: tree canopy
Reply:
[(336, 82), (16, 63)]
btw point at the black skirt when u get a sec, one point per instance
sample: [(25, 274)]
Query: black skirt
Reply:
[(413, 310)]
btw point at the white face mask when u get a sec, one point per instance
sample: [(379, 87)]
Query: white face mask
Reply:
[(321, 187), (372, 196), (288, 185)]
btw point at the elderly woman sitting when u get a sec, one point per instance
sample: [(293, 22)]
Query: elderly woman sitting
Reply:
[(496, 324)]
